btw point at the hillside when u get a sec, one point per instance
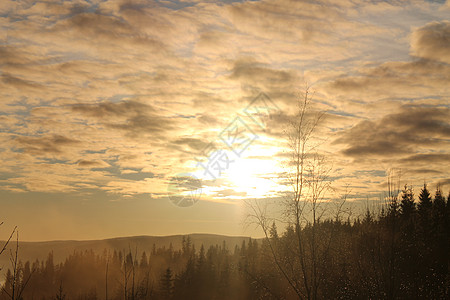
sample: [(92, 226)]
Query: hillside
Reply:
[(61, 249)]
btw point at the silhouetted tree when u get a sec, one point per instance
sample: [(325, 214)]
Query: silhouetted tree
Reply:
[(424, 210), (166, 284), (407, 205)]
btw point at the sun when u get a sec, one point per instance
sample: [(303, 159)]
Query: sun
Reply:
[(256, 176)]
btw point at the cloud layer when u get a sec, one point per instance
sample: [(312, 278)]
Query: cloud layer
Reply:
[(120, 96)]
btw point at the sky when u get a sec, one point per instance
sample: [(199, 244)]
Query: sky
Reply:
[(104, 105)]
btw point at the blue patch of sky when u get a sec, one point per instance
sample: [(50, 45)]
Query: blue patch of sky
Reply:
[(384, 48), (7, 175), (17, 150), (22, 115), (120, 97), (316, 64), (12, 18), (116, 171), (406, 18), (112, 169), (70, 56), (184, 116), (410, 101), (22, 103), (137, 176), (373, 173), (78, 9), (46, 160), (86, 84), (95, 151), (334, 178), (94, 5), (53, 58), (342, 113), (134, 74), (177, 5)]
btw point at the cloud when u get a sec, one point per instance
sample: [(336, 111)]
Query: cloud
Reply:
[(254, 76), (193, 143), (19, 83), (131, 117), (444, 183), (171, 77), (395, 79), (432, 41), (429, 158), (44, 145), (230, 193), (109, 109), (250, 70), (10, 55), (108, 29), (293, 20), (424, 73), (410, 130), (138, 125)]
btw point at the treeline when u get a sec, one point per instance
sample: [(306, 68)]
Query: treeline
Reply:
[(161, 273), (401, 252)]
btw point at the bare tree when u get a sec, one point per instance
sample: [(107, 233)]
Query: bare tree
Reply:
[(17, 283), (8, 240), (393, 210), (301, 261)]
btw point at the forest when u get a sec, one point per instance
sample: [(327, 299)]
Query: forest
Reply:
[(400, 251)]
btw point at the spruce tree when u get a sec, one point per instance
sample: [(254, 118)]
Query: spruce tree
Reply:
[(407, 205), (439, 235), (426, 242), (144, 260), (273, 233), (166, 284), (424, 209), (439, 207)]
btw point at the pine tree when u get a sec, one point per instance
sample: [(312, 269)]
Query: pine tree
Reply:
[(439, 207), (408, 252), (439, 235), (273, 231), (424, 209), (60, 295), (144, 260), (201, 258), (166, 284), (407, 205), (425, 242), (9, 282)]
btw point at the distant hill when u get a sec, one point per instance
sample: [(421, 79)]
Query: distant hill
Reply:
[(62, 249)]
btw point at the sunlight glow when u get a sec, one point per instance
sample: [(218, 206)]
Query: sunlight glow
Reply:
[(255, 177)]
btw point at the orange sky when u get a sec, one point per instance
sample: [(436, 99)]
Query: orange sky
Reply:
[(102, 103)]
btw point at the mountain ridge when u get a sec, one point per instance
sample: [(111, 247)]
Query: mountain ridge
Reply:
[(61, 249)]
